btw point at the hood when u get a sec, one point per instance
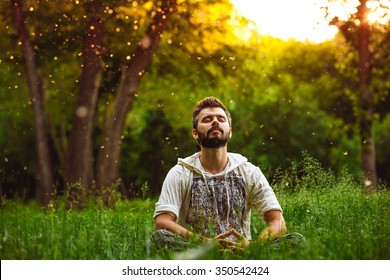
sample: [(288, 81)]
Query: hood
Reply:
[(192, 163)]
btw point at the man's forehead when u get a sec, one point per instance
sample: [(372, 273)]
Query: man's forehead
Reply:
[(212, 111)]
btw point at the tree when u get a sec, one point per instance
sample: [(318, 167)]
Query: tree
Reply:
[(366, 100), (80, 157), (357, 31), (44, 175), (132, 72)]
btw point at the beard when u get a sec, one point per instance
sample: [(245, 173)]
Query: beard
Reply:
[(208, 140)]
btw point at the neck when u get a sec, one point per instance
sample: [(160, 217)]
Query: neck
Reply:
[(214, 160)]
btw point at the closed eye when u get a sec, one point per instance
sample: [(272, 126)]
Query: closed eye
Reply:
[(207, 119)]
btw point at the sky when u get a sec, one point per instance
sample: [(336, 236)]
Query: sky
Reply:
[(299, 19)]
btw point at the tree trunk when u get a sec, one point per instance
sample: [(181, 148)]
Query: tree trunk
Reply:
[(366, 99), (80, 160), (132, 72), (44, 173)]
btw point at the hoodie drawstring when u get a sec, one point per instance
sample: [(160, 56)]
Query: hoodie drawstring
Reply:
[(205, 180), (228, 201)]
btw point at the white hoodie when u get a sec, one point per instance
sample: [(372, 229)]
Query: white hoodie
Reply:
[(211, 204)]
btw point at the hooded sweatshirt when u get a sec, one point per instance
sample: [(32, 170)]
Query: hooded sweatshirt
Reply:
[(211, 204)]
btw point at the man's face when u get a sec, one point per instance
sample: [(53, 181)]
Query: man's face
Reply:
[(213, 129)]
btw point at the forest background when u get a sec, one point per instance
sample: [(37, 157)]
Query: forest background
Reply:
[(116, 81)]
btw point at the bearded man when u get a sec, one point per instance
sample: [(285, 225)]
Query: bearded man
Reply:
[(210, 195)]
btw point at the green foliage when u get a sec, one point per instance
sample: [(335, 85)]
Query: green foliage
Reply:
[(382, 139), (285, 97), (17, 151), (338, 218), (159, 153)]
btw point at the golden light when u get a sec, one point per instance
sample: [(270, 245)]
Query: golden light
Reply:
[(380, 11), (300, 19), (304, 19), (340, 9)]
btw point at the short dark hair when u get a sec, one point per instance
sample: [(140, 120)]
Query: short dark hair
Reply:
[(208, 102)]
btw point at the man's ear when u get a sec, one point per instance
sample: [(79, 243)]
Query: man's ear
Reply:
[(230, 132), (195, 134)]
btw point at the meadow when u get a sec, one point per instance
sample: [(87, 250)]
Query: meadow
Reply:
[(338, 217)]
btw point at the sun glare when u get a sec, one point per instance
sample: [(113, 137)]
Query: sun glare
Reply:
[(379, 11), (304, 19)]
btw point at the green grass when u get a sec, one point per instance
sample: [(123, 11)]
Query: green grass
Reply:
[(339, 219), (29, 232), (338, 223)]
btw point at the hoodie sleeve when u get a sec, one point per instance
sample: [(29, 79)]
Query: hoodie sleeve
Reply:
[(261, 195), (172, 193)]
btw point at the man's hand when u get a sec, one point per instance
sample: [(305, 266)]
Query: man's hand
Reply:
[(276, 226), (227, 245)]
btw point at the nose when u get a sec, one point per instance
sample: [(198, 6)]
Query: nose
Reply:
[(215, 126), (215, 122)]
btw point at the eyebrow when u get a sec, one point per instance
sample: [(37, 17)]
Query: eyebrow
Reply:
[(213, 115)]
